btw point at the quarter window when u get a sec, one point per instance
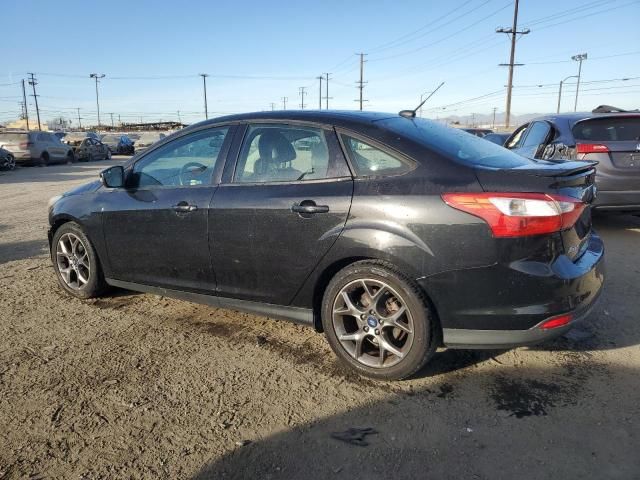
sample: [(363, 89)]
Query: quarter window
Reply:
[(187, 161), (283, 153), (368, 160)]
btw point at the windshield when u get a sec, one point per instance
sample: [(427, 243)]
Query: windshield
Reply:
[(454, 143), (608, 129)]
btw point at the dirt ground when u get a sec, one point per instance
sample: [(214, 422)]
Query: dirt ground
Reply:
[(141, 386)]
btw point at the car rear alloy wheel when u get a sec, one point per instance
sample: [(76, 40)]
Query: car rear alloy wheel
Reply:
[(11, 162), (378, 321), (372, 323), (76, 262)]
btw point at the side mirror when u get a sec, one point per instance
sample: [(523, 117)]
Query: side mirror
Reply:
[(113, 177)]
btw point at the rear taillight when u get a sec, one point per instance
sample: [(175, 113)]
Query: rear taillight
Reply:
[(519, 214), (591, 148), (25, 145)]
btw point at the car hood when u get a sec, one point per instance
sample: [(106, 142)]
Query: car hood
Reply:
[(84, 188)]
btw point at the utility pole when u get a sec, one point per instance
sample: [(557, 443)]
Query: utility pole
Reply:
[(273, 106), (204, 85), (302, 94), (578, 58), (79, 118), (361, 82), (119, 121), (96, 77), (327, 90), (320, 93), (33, 83), (24, 98), (513, 31), (493, 123), (179, 119), (284, 103), (112, 125)]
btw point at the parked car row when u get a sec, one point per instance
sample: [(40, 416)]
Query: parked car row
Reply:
[(43, 148)]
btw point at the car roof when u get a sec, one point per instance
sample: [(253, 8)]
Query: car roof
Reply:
[(328, 117)]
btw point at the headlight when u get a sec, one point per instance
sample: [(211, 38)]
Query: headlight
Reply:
[(53, 200)]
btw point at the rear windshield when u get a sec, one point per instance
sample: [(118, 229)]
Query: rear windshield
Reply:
[(13, 137), (608, 129), (454, 143)]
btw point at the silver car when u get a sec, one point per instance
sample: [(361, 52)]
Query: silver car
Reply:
[(40, 147), (608, 136)]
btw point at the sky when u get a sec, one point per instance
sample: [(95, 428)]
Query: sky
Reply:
[(257, 52)]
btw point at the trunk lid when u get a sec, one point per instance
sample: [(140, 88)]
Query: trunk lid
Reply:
[(571, 179)]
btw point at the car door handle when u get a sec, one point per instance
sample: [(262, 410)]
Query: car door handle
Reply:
[(309, 207), (185, 207)]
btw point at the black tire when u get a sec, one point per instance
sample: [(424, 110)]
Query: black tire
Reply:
[(71, 158), (11, 162), (425, 329), (44, 159), (89, 157), (95, 284), (108, 155)]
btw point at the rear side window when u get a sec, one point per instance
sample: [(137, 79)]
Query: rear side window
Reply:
[(608, 129), (538, 133), (368, 160)]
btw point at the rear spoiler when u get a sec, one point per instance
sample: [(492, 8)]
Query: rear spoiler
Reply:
[(561, 169)]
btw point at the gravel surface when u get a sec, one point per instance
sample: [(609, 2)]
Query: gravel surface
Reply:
[(141, 386)]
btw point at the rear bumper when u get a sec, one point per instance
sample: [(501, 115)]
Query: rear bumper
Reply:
[(22, 156), (501, 306)]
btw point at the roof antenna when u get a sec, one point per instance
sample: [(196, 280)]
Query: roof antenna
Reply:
[(412, 113)]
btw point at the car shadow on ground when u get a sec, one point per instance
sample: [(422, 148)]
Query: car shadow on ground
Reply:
[(511, 422), (21, 250)]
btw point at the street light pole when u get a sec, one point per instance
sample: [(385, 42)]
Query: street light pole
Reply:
[(204, 85), (578, 58), (96, 77), (560, 90)]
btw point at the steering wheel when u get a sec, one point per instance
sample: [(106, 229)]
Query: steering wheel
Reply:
[(192, 169)]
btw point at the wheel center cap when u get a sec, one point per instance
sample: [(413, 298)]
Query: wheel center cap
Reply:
[(372, 322)]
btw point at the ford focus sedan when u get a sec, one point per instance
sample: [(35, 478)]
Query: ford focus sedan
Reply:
[(393, 235)]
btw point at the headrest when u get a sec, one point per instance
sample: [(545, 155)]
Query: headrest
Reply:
[(274, 146)]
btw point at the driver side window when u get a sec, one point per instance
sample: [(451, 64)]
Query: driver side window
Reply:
[(186, 161)]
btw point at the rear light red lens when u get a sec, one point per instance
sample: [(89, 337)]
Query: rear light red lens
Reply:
[(25, 145), (591, 148), (555, 322), (519, 214)]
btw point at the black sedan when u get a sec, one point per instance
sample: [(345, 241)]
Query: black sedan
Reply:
[(393, 235)]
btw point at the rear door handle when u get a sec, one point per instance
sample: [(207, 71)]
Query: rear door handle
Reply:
[(185, 207), (309, 207)]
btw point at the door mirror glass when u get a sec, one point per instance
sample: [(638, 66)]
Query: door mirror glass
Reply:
[(113, 177)]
